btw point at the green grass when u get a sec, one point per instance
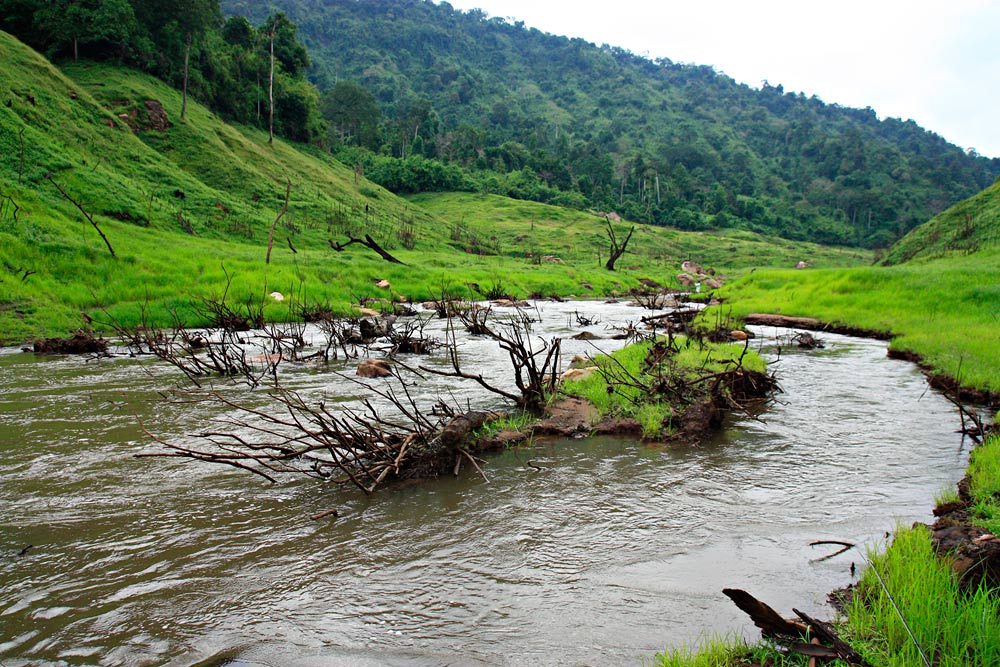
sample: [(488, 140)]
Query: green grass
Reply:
[(946, 311), (952, 627), (969, 227), (984, 484)]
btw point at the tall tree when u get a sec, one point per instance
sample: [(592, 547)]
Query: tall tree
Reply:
[(104, 24), (353, 113)]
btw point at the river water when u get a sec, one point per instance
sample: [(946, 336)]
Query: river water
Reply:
[(610, 553)]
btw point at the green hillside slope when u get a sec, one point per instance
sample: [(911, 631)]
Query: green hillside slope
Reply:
[(971, 226), (188, 205)]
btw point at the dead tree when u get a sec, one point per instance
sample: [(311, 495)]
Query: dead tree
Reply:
[(368, 242), (536, 366), (617, 250)]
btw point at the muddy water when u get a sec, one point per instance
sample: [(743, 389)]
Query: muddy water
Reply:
[(609, 553)]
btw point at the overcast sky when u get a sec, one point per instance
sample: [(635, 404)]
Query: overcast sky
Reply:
[(937, 62)]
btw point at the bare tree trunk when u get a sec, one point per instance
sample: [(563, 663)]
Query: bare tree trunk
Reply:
[(187, 59), (76, 50), (270, 97)]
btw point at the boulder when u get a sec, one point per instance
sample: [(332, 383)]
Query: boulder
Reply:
[(577, 373), (374, 368), (691, 267), (712, 283), (685, 279), (802, 265), (382, 284), (277, 296), (736, 334)]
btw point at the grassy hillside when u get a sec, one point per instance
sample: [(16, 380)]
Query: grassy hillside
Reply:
[(187, 205), (968, 227)]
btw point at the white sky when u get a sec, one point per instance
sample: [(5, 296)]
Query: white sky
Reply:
[(937, 62)]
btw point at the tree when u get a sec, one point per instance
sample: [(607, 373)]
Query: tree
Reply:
[(104, 24), (353, 113)]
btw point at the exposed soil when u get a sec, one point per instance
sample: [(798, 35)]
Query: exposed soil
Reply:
[(974, 553)]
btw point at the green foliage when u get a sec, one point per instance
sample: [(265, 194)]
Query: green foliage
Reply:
[(536, 116), (966, 228), (229, 64)]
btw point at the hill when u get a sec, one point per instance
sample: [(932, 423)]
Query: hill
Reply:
[(602, 128), (969, 227), (187, 206)]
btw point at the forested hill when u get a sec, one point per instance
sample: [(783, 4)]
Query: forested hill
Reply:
[(544, 117)]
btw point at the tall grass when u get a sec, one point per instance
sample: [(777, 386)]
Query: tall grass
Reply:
[(952, 628), (946, 311)]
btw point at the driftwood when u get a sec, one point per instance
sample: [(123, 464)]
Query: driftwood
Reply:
[(367, 242), (797, 637), (82, 342)]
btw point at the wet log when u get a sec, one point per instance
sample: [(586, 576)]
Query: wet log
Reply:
[(769, 621), (82, 342)]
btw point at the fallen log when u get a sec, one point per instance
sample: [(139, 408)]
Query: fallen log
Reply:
[(825, 632)]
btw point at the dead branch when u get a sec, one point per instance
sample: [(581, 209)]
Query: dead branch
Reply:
[(88, 216), (369, 243)]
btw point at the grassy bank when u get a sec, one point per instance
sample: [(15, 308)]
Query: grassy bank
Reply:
[(945, 311)]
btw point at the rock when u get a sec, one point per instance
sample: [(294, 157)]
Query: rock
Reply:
[(712, 283), (802, 265), (552, 259), (374, 368), (685, 279), (367, 312), (382, 284), (586, 335), (277, 296), (736, 334), (577, 373), (579, 361), (586, 286), (651, 284), (691, 267)]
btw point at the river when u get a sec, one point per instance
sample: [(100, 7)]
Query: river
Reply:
[(613, 551)]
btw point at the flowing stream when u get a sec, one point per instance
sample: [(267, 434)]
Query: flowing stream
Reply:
[(613, 551)]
